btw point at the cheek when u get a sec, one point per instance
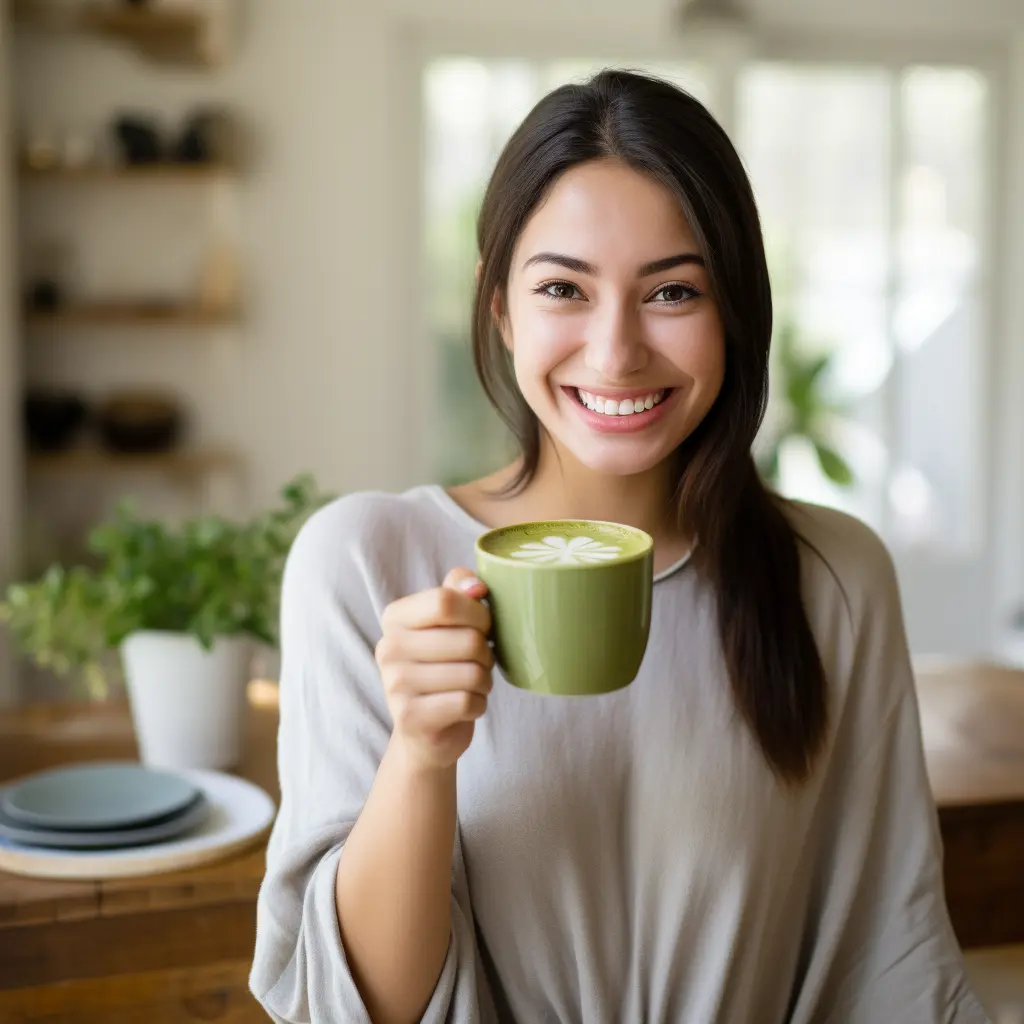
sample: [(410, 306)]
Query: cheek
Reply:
[(697, 347), (541, 340)]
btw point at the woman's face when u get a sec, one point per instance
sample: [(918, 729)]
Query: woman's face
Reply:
[(617, 342)]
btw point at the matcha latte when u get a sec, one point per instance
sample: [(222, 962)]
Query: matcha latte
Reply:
[(571, 603)]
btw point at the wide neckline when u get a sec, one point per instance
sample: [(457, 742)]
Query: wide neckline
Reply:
[(457, 512)]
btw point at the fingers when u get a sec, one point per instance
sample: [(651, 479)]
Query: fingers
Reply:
[(466, 581), (441, 606), (438, 677), (440, 644), (432, 713), (435, 664)]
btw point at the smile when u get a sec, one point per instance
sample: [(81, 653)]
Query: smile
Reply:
[(608, 406), (622, 414)]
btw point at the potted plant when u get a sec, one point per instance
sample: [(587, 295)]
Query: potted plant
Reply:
[(183, 606), (805, 412)]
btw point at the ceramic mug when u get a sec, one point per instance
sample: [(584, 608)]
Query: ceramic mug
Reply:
[(570, 602)]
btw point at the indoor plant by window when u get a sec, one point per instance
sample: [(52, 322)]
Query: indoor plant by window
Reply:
[(182, 605), (804, 410)]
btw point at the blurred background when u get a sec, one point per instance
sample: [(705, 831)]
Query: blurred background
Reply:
[(237, 243)]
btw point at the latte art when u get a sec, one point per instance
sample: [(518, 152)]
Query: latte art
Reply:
[(579, 550)]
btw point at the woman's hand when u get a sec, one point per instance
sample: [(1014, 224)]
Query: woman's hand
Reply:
[(435, 664)]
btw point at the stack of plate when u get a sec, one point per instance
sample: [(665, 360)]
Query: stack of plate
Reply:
[(95, 806)]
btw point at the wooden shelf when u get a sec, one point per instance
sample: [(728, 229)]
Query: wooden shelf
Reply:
[(128, 314), (163, 172), (132, 23), (181, 36), (180, 462)]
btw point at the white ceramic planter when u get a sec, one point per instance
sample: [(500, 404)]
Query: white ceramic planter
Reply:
[(187, 704)]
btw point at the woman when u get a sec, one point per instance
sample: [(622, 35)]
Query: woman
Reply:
[(745, 833)]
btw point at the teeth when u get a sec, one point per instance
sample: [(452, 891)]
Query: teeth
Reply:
[(626, 407)]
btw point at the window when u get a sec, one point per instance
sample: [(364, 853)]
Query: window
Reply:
[(871, 184)]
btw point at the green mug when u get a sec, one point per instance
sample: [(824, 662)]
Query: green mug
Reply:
[(570, 602)]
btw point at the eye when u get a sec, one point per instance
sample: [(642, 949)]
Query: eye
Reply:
[(674, 294), (563, 291)]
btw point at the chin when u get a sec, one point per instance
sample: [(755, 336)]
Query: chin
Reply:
[(610, 459)]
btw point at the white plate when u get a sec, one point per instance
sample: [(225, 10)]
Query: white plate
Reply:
[(239, 813)]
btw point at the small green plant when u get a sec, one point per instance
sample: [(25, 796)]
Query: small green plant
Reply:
[(807, 410), (208, 577)]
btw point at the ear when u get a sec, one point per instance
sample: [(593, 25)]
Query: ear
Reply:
[(501, 320)]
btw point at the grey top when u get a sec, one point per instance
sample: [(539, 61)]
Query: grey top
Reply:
[(628, 857)]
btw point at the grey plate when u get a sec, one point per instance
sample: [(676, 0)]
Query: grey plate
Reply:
[(193, 814), (104, 795)]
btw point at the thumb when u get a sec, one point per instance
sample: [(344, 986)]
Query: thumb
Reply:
[(466, 581)]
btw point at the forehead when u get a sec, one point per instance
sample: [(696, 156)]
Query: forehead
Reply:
[(610, 214)]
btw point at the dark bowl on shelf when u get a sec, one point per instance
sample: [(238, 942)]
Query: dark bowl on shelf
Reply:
[(138, 423), (139, 139), (53, 419)]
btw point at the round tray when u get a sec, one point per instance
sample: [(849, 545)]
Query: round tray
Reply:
[(239, 814)]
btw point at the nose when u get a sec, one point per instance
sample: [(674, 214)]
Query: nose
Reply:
[(615, 348)]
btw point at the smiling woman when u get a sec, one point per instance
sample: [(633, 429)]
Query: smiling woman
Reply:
[(436, 822), (662, 211)]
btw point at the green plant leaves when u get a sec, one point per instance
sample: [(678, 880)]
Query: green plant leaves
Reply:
[(808, 411), (833, 465), (802, 381), (208, 577)]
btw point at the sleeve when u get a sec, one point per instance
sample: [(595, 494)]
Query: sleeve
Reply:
[(882, 946), (334, 727)]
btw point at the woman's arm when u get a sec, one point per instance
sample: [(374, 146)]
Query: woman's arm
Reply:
[(394, 876), (337, 730), (883, 947), (394, 888)]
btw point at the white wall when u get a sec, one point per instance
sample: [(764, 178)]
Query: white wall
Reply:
[(9, 370)]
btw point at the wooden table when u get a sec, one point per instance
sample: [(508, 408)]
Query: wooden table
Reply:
[(177, 947), (167, 948), (972, 718)]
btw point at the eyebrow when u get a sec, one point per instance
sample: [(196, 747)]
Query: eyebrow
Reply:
[(583, 267)]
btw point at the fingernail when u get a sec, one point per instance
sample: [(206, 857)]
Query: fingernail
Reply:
[(469, 583)]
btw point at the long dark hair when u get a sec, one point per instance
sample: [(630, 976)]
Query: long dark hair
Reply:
[(746, 546)]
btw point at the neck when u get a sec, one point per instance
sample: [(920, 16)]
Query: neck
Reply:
[(562, 488), (573, 491)]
